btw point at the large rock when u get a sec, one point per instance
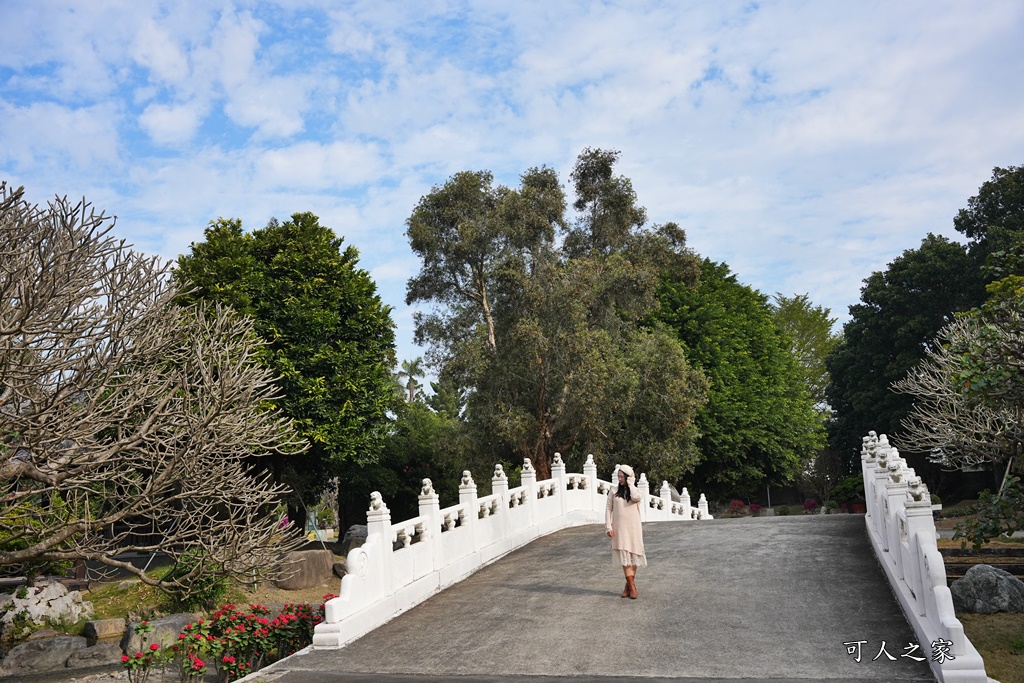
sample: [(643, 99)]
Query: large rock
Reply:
[(306, 569), (985, 589), (340, 569), (165, 631), (50, 602), (104, 629), (354, 538), (41, 655), (97, 655)]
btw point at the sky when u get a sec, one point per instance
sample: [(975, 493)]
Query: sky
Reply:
[(806, 144)]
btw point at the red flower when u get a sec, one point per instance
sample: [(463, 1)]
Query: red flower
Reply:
[(124, 658), (138, 655), (154, 647), (181, 636)]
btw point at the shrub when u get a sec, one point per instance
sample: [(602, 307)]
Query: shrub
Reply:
[(755, 509), (997, 515), (195, 584), (849, 490), (782, 511), (737, 507), (810, 507)]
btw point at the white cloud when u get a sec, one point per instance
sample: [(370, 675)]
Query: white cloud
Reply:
[(44, 135), (172, 124), (155, 50)]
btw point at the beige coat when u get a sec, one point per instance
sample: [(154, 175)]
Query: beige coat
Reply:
[(623, 518)]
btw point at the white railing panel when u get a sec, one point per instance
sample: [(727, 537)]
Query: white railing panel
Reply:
[(404, 563), (902, 533)]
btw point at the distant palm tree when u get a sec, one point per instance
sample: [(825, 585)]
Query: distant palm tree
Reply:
[(411, 369)]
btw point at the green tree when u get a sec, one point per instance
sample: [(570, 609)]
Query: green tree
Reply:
[(808, 329), (759, 426), (330, 339), (411, 369), (546, 338), (900, 312)]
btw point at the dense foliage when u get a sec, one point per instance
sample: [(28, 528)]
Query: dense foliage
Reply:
[(329, 339), (759, 426), (900, 312), (547, 337)]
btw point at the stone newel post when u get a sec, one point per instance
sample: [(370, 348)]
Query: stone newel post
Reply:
[(645, 495), (558, 474), (702, 507), (528, 477), (590, 472), (499, 487), (430, 510), (467, 498), (378, 521), (666, 495), (684, 498)]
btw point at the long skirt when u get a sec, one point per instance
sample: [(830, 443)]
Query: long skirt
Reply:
[(624, 558)]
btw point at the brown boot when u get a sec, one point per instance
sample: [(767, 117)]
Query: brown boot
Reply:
[(631, 586), (625, 591)]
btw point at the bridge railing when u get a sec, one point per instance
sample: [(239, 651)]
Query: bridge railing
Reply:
[(401, 564), (902, 533)]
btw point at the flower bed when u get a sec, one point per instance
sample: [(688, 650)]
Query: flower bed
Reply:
[(236, 642)]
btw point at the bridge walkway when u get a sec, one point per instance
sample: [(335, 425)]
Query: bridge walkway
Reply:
[(743, 600)]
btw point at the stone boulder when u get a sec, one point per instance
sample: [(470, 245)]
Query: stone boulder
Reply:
[(165, 631), (305, 569), (985, 589), (340, 569), (104, 629), (50, 602), (355, 537), (41, 655), (100, 654)]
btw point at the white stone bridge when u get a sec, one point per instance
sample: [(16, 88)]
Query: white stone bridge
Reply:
[(519, 585)]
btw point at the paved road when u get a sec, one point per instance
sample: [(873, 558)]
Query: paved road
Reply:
[(752, 599)]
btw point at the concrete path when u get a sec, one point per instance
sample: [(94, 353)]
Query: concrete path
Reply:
[(735, 599)]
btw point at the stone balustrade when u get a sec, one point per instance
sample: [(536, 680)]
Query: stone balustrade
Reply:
[(902, 532), (401, 564)]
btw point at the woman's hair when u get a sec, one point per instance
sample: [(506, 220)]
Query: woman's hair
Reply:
[(623, 491)]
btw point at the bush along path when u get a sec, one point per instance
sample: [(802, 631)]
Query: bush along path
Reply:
[(233, 643)]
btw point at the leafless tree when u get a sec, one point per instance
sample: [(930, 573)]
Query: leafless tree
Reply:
[(824, 472), (959, 432), (127, 423)]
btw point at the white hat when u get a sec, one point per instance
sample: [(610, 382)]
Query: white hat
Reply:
[(627, 470)]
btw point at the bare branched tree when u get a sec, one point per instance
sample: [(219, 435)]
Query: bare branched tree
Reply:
[(824, 472), (957, 430), (127, 423)]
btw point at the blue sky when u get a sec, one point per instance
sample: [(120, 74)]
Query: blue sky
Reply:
[(806, 144)]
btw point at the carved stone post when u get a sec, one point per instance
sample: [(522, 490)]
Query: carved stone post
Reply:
[(687, 508), (528, 476), (558, 474), (378, 521), (590, 472), (467, 498), (645, 495), (702, 507), (896, 499), (920, 526), (430, 510), (666, 495), (499, 487)]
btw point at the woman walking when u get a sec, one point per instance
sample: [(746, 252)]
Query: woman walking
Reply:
[(622, 522)]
